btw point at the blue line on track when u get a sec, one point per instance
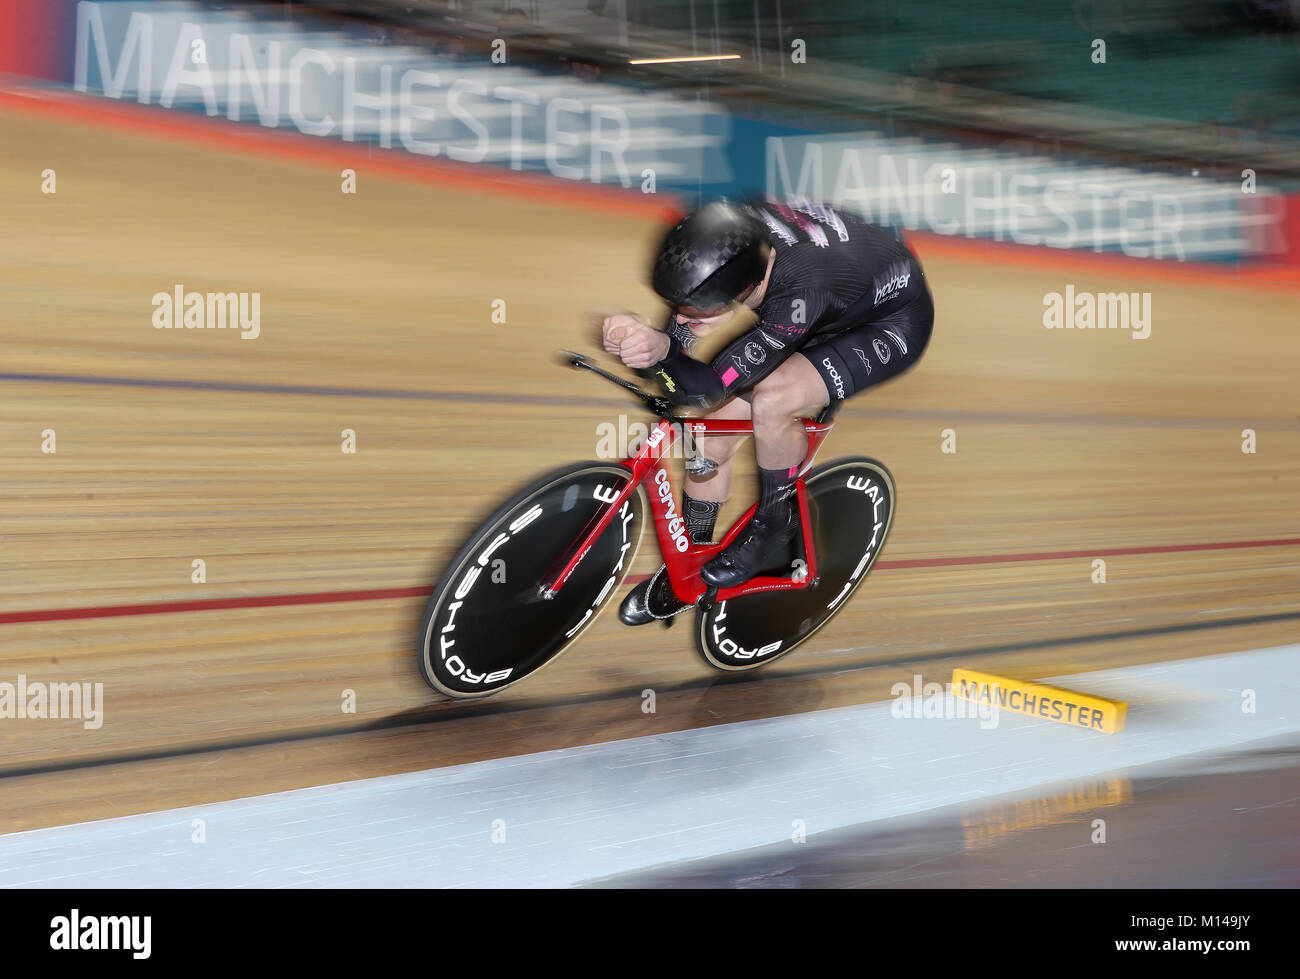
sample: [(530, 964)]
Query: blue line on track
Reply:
[(574, 401), (322, 390)]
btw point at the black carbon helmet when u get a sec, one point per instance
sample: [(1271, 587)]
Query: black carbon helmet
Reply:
[(711, 256)]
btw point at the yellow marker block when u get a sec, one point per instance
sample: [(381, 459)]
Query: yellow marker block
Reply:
[(1040, 700)]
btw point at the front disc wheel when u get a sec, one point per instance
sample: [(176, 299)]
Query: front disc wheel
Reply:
[(489, 623)]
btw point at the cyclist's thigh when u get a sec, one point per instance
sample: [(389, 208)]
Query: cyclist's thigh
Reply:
[(795, 388), (856, 359), (721, 447)]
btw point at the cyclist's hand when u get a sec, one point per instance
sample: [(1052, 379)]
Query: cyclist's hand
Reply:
[(634, 340), (615, 329)]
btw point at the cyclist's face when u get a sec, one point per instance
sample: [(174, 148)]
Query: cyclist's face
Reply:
[(707, 318), (698, 321)]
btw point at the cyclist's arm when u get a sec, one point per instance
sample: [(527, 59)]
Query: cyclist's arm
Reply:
[(786, 323), (685, 380)]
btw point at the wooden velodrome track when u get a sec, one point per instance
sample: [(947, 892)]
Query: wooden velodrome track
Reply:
[(1070, 446)]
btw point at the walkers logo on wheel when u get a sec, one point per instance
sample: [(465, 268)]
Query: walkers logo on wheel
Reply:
[(729, 647), (625, 517), (530, 579), (872, 489), (849, 511), (446, 638)]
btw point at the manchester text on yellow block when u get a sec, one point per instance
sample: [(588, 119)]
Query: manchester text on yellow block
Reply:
[(1041, 700)]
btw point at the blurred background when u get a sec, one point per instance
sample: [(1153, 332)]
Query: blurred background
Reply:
[(1171, 101), (428, 199)]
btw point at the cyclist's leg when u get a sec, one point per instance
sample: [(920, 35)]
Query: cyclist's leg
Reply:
[(839, 366), (776, 404), (792, 392), (702, 498), (715, 487), (852, 361)]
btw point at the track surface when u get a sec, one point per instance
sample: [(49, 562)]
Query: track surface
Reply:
[(174, 445), (1212, 821)]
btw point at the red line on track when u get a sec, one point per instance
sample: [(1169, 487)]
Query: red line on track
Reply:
[(945, 562), (208, 604), (377, 594)]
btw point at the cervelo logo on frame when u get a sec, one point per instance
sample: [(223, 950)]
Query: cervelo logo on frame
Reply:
[(676, 526)]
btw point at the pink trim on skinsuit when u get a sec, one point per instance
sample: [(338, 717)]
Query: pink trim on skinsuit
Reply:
[(729, 376)]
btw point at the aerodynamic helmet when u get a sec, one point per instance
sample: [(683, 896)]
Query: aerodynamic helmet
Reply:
[(710, 257)]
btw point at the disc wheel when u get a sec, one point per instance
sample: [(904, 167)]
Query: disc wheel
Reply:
[(851, 505), (488, 624)]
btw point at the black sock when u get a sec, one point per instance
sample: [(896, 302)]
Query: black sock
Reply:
[(776, 489), (700, 517)]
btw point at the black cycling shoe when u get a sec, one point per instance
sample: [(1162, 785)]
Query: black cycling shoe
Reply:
[(653, 599), (760, 545)]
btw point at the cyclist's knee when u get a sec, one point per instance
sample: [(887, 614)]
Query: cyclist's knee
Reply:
[(776, 400), (720, 448), (717, 448)]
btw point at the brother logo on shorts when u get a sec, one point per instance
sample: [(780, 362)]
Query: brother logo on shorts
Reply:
[(899, 275), (835, 376)]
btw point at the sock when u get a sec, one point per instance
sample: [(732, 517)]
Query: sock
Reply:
[(776, 489), (700, 517)]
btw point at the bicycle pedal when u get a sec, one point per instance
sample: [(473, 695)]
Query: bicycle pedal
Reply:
[(668, 622)]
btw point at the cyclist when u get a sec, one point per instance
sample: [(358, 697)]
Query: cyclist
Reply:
[(841, 305)]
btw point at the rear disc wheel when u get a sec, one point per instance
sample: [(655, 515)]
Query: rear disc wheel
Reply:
[(851, 504)]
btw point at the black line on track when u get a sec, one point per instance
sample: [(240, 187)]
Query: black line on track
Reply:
[(453, 712)]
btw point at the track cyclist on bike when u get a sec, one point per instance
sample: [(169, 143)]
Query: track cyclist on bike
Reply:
[(841, 305)]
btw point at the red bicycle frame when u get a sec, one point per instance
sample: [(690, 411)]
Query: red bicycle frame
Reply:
[(684, 557)]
